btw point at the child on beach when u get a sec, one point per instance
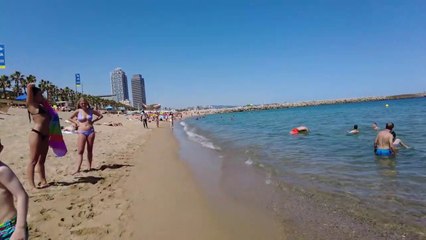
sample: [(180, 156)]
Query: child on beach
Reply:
[(13, 221)]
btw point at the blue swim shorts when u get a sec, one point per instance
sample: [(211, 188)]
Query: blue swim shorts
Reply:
[(383, 152)]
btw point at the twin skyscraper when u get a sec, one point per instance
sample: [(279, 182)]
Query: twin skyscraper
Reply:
[(121, 91)]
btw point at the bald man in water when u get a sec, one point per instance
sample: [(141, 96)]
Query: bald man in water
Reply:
[(383, 145)]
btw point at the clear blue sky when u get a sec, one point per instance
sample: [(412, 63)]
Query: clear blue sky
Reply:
[(222, 52)]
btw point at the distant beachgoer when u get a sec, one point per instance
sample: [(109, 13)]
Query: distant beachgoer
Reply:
[(397, 141), (144, 118), (354, 130), (300, 129), (374, 126), (83, 118), (157, 119), (39, 135), (112, 124), (13, 220), (171, 116), (383, 145)]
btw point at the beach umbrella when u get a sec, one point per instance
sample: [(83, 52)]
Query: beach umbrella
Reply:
[(22, 97)]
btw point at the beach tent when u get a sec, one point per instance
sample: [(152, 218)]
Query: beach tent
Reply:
[(21, 98)]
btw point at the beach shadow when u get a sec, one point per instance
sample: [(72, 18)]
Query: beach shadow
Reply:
[(111, 166), (88, 179)]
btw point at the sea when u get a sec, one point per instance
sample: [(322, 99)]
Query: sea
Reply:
[(327, 181)]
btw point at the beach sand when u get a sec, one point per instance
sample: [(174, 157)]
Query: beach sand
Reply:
[(140, 188)]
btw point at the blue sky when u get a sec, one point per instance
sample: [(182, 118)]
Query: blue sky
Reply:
[(222, 52)]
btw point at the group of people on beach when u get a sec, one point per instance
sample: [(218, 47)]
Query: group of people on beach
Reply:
[(13, 223)]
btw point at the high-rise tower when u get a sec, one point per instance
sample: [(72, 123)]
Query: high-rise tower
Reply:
[(138, 91), (119, 85)]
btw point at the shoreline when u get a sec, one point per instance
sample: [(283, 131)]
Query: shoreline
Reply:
[(171, 204)]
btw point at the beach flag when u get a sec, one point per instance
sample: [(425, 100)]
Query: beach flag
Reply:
[(77, 80), (56, 141), (2, 58)]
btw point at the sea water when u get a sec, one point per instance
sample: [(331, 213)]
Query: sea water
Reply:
[(328, 160)]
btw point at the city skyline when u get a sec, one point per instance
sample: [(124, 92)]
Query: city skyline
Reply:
[(224, 53)]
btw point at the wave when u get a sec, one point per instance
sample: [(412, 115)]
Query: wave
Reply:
[(205, 142)]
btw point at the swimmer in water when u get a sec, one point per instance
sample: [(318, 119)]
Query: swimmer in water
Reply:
[(374, 126), (383, 145), (300, 129), (354, 130), (397, 142)]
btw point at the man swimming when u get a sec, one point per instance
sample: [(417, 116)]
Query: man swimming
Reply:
[(383, 145)]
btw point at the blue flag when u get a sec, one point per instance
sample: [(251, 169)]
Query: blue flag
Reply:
[(77, 79), (2, 58)]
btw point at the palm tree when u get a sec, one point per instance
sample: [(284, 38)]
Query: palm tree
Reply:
[(17, 77), (4, 83), (25, 81)]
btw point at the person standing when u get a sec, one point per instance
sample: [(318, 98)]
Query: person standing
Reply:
[(144, 119), (83, 119), (157, 119), (172, 119), (383, 145), (38, 136)]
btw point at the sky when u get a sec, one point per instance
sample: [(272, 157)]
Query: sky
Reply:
[(222, 52)]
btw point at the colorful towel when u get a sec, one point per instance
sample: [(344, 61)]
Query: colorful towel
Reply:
[(56, 141)]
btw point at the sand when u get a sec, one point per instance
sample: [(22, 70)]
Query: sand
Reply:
[(140, 188)]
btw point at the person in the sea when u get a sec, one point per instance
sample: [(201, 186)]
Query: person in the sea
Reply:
[(298, 130), (354, 130), (383, 144), (13, 220), (374, 126), (38, 136), (397, 142), (83, 118)]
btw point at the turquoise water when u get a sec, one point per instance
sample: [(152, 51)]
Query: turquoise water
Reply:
[(328, 160)]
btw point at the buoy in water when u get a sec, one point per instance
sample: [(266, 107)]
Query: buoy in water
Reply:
[(386, 105)]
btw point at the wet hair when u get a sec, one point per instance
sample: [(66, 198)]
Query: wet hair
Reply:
[(394, 136), (389, 126), (355, 126)]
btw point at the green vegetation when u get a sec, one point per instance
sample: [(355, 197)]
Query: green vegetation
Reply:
[(15, 85)]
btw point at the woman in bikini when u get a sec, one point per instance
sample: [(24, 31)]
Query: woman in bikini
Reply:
[(39, 134), (83, 119)]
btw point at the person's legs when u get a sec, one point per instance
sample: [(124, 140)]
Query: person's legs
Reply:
[(90, 142), (35, 151), (81, 142), (44, 148)]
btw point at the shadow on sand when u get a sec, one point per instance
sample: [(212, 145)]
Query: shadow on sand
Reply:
[(88, 179), (110, 166)]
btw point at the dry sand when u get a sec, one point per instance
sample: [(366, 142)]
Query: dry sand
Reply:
[(140, 189)]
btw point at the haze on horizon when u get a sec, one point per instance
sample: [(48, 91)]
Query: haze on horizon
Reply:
[(222, 52)]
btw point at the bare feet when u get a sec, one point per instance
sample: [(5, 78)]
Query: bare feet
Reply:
[(76, 172), (42, 185)]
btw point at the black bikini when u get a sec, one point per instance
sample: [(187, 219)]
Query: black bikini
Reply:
[(41, 111)]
